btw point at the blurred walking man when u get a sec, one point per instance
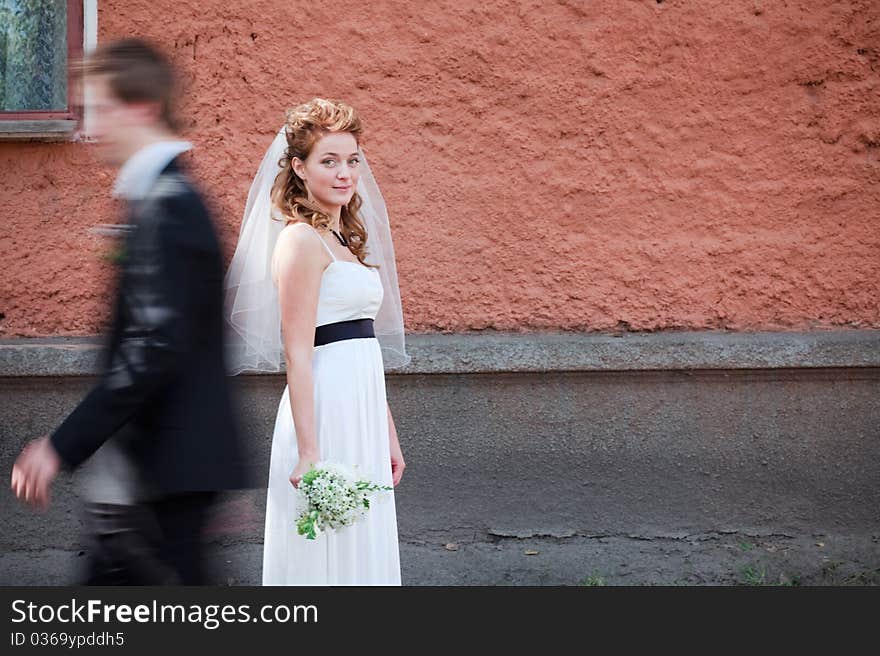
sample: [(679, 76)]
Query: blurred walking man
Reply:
[(162, 408)]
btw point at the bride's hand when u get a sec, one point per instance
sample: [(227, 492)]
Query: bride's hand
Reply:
[(304, 465), (397, 465)]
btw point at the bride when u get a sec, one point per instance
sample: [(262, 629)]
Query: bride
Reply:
[(313, 287)]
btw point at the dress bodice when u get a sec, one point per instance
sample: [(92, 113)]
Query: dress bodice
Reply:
[(349, 290)]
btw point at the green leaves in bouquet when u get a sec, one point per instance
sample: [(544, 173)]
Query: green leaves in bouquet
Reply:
[(306, 525), (372, 487), (310, 476)]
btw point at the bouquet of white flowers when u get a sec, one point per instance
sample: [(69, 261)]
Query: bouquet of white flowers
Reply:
[(332, 496)]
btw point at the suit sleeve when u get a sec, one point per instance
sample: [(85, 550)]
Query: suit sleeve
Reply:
[(151, 342)]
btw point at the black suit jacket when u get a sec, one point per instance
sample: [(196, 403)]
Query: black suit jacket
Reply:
[(163, 394)]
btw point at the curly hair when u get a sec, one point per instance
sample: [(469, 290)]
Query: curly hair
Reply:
[(304, 126)]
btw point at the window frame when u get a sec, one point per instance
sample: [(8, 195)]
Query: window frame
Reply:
[(53, 124)]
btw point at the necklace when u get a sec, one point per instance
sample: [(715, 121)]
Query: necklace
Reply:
[(341, 239)]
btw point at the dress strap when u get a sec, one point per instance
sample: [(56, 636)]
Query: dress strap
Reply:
[(322, 241), (327, 247)]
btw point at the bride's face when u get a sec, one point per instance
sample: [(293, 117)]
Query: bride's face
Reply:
[(331, 170)]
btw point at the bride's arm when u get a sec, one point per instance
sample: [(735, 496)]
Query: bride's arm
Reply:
[(298, 265), (397, 463)]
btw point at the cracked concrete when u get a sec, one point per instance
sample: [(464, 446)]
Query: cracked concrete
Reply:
[(721, 558)]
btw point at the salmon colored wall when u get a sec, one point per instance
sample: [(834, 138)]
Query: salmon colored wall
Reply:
[(635, 165)]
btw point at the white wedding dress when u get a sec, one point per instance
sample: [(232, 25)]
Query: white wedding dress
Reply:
[(351, 422)]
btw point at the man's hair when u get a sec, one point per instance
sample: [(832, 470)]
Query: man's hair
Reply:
[(136, 71)]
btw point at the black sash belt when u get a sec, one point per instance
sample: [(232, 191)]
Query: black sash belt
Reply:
[(334, 332)]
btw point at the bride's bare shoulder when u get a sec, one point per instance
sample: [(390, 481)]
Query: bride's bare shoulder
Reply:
[(298, 238), (297, 241)]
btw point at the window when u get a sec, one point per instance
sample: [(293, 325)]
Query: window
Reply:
[(38, 40)]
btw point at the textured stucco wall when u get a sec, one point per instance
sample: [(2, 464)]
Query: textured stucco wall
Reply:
[(593, 166)]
